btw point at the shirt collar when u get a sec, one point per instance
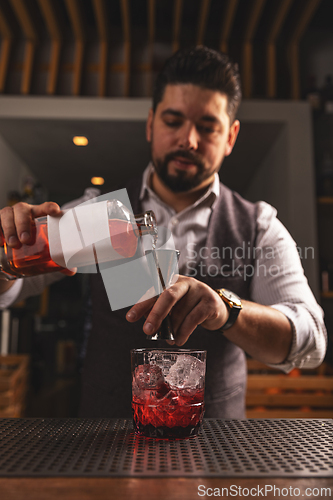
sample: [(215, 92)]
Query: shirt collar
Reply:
[(213, 191)]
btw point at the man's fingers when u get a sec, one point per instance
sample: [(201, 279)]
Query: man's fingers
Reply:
[(16, 221), (183, 308), (163, 306), (23, 221), (69, 272), (47, 208), (197, 316), (143, 306), (140, 309), (208, 312), (8, 226)]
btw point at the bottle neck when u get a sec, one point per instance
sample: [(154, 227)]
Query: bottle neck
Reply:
[(146, 223)]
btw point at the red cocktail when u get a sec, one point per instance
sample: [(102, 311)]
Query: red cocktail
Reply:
[(168, 392)]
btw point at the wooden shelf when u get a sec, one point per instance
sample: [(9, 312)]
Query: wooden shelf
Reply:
[(327, 295), (304, 393), (325, 200)]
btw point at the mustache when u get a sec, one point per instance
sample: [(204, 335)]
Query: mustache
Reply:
[(187, 155)]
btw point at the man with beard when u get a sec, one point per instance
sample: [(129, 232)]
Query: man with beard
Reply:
[(191, 128)]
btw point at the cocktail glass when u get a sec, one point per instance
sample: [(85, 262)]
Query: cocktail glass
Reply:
[(168, 388)]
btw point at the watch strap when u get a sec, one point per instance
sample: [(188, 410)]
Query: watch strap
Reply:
[(233, 312), (233, 315)]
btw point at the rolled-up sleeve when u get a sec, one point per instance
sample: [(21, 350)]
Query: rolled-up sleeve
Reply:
[(11, 295), (27, 287), (279, 282)]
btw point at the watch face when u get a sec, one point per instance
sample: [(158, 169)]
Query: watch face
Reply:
[(232, 297)]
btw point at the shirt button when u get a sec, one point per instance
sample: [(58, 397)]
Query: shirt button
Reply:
[(174, 222)]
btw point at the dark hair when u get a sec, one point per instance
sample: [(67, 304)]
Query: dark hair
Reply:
[(204, 67)]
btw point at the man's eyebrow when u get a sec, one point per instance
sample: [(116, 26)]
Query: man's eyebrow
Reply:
[(210, 118), (174, 112), (179, 114)]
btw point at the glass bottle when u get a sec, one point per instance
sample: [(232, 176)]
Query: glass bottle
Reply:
[(34, 258)]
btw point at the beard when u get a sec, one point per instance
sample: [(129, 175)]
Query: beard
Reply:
[(181, 181)]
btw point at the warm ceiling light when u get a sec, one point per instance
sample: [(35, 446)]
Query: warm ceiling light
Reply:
[(97, 181), (80, 140)]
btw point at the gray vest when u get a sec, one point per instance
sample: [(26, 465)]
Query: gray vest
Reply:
[(106, 378)]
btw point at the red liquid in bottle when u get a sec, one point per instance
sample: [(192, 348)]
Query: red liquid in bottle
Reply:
[(123, 237), (35, 258), (32, 259)]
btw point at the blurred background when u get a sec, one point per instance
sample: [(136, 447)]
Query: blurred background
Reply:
[(86, 68)]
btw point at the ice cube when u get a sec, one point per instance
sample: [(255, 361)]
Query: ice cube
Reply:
[(188, 371), (148, 376), (162, 390), (160, 359)]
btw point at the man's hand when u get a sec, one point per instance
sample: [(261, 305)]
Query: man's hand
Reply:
[(16, 228), (190, 302), (16, 221)]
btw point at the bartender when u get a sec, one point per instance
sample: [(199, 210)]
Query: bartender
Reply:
[(226, 301)]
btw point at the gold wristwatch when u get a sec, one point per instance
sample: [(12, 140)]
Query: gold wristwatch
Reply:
[(234, 305)]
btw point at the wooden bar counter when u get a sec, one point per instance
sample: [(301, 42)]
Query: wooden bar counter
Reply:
[(160, 488)]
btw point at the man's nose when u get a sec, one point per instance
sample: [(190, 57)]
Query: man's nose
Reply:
[(188, 137)]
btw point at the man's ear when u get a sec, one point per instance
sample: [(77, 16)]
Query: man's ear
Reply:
[(149, 125), (233, 133)]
